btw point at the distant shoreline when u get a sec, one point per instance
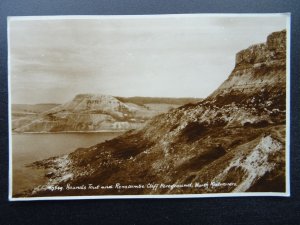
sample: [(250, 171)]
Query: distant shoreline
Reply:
[(70, 132)]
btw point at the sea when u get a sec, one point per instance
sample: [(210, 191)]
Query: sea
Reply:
[(30, 147)]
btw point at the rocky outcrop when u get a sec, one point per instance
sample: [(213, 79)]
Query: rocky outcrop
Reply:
[(258, 67), (87, 112), (273, 49), (234, 140)]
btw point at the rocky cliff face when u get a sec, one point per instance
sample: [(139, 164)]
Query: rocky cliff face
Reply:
[(234, 140), (257, 69)]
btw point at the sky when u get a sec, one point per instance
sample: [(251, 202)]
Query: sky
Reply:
[(52, 59)]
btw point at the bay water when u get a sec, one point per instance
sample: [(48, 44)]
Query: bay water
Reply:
[(28, 148)]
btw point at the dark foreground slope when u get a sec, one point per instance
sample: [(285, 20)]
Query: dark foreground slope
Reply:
[(233, 141)]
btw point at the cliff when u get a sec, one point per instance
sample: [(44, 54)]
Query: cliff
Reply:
[(257, 69), (86, 112)]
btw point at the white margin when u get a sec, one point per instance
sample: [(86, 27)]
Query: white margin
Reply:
[(287, 193), (87, 197), (10, 178), (288, 104), (153, 16)]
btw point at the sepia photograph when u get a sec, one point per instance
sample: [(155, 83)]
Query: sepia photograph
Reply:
[(148, 106)]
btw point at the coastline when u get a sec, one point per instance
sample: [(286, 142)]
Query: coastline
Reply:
[(72, 132)]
